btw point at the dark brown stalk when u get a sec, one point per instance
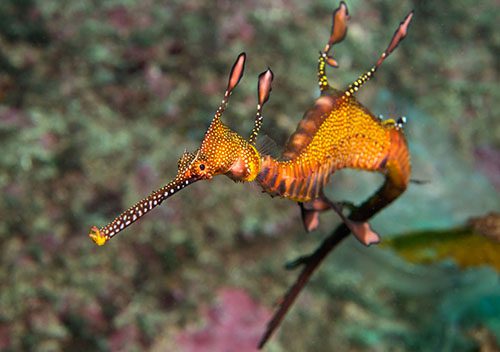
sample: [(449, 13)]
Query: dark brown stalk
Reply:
[(364, 212)]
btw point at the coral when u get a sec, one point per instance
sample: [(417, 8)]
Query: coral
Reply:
[(234, 323)]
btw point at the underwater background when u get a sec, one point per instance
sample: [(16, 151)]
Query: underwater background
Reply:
[(98, 99)]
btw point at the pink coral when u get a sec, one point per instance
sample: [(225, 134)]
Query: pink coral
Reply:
[(235, 323)]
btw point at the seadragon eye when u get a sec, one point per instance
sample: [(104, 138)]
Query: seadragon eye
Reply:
[(202, 167)]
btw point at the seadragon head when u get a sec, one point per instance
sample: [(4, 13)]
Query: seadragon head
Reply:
[(222, 152)]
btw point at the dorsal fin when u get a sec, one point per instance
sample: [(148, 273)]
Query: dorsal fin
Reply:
[(267, 146)]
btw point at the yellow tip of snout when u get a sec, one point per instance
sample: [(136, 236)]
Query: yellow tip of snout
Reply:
[(97, 236)]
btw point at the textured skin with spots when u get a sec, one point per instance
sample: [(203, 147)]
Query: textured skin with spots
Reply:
[(336, 132)]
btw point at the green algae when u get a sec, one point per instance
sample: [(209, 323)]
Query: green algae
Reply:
[(463, 245)]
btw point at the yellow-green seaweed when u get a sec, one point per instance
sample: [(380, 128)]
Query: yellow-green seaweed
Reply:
[(463, 245)]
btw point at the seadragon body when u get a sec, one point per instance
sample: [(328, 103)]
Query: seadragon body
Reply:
[(337, 132)]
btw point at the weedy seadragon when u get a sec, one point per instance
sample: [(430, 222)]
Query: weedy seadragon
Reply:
[(337, 132)]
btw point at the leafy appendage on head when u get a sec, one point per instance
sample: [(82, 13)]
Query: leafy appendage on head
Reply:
[(263, 92)]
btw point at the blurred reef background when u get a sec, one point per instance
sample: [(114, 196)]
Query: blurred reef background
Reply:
[(99, 99)]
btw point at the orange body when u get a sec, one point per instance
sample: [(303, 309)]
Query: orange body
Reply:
[(336, 132)]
